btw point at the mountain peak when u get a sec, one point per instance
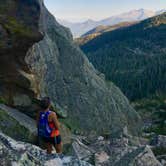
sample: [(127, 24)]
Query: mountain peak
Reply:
[(143, 10), (160, 11), (79, 29), (89, 20)]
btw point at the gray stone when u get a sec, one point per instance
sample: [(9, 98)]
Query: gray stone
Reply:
[(129, 155), (161, 141), (119, 152), (20, 153), (137, 156), (162, 159), (146, 158), (64, 73), (23, 119), (22, 100), (56, 67), (17, 125), (100, 138), (82, 151), (102, 159)]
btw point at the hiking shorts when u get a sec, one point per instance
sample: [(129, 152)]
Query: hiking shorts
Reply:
[(53, 140)]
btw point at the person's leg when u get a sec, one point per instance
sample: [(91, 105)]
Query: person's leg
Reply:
[(58, 144), (49, 147), (41, 142), (58, 148)]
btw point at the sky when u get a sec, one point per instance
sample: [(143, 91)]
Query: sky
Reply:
[(80, 10)]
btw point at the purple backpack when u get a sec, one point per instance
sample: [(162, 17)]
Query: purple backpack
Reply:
[(43, 126)]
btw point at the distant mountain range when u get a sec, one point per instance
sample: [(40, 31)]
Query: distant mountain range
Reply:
[(79, 29), (133, 57)]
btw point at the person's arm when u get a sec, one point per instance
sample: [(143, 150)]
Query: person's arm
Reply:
[(55, 120)]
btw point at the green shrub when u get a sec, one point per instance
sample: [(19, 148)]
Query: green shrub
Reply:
[(159, 151), (2, 101), (16, 28)]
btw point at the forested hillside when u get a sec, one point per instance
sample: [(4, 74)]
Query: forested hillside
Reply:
[(99, 31), (133, 57)]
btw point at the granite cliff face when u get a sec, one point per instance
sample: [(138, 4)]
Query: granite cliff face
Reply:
[(56, 67), (65, 74)]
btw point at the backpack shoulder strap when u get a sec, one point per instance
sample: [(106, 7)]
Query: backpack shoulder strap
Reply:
[(48, 113)]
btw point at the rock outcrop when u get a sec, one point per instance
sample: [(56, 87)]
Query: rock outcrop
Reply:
[(56, 67), (82, 151), (64, 73), (19, 31), (117, 152), (17, 125), (139, 157)]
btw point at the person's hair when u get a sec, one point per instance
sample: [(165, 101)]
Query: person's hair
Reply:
[(45, 103)]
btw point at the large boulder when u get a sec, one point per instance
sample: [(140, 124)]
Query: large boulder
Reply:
[(64, 73), (124, 152), (17, 125), (115, 151), (142, 156), (82, 151)]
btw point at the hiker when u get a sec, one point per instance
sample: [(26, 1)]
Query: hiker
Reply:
[(48, 127)]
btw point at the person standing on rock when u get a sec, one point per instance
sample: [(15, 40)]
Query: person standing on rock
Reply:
[(48, 127)]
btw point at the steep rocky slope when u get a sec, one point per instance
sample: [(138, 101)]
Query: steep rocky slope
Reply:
[(20, 153), (118, 152), (71, 81), (57, 68)]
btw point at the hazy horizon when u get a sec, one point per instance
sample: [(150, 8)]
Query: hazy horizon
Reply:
[(86, 19), (81, 10)]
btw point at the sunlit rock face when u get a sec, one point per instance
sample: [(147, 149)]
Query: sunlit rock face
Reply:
[(33, 67), (65, 74)]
